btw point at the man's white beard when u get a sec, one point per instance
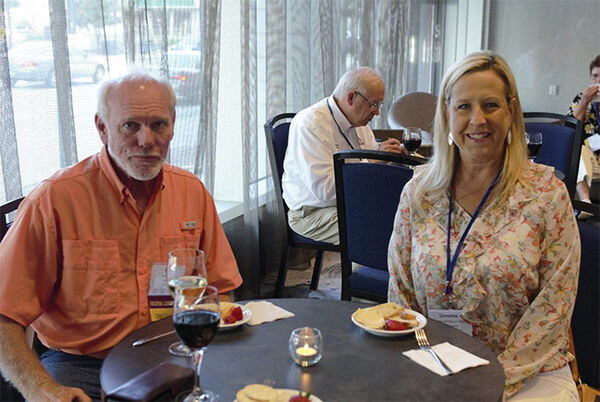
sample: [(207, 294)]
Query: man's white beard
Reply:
[(136, 172)]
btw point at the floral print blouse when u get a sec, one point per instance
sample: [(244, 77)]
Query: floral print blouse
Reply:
[(591, 120), (515, 279)]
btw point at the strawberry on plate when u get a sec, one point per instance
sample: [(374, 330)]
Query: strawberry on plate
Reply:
[(237, 313), (393, 325), (300, 397)]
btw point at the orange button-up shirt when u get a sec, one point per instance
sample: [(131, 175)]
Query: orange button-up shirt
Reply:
[(77, 261)]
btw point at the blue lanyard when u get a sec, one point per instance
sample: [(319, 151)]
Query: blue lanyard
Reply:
[(450, 264), (338, 126), (595, 107)]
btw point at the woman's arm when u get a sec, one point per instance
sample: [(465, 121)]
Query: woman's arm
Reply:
[(539, 342), (401, 288)]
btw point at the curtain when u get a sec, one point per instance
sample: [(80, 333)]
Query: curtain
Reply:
[(250, 129), (10, 180)]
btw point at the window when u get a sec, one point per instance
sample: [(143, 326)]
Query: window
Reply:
[(53, 116)]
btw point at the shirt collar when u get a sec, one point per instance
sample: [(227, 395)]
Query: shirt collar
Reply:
[(339, 116)]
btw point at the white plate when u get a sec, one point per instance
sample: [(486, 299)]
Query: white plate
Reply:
[(285, 394), (247, 315), (382, 332)]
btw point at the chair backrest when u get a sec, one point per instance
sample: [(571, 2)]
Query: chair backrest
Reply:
[(414, 109), (5, 215), (562, 140), (367, 200), (585, 322), (276, 134)]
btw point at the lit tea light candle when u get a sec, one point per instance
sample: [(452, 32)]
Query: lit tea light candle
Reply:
[(306, 346), (306, 351)]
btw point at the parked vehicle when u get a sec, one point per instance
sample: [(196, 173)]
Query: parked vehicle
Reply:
[(34, 61), (185, 74)]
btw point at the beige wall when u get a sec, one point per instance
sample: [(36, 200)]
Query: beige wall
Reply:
[(546, 42)]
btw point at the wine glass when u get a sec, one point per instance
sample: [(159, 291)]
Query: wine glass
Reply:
[(411, 138), (196, 315), (186, 267), (534, 143)]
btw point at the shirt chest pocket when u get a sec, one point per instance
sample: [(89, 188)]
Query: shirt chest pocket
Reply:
[(186, 239), (91, 277)]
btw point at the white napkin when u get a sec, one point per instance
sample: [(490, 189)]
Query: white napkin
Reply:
[(264, 311), (455, 358)]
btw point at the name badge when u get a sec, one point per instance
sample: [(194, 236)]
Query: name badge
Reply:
[(452, 318), (593, 142), (189, 225)]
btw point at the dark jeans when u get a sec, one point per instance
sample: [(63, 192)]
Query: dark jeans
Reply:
[(74, 371)]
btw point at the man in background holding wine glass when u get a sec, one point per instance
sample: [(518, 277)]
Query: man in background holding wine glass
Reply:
[(78, 260), (336, 123), (586, 108)]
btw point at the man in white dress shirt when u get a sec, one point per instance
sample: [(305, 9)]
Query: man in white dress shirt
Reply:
[(336, 123)]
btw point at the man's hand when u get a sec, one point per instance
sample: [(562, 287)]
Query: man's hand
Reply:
[(392, 145), (51, 391), (22, 367)]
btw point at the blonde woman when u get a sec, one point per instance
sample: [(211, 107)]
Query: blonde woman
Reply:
[(485, 235)]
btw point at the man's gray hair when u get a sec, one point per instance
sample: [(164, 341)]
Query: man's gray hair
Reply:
[(134, 74), (359, 79)]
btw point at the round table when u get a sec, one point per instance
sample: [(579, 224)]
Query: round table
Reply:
[(356, 365)]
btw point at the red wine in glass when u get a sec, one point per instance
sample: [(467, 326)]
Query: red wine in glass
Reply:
[(412, 144), (533, 150), (411, 138), (534, 141), (196, 328), (196, 316)]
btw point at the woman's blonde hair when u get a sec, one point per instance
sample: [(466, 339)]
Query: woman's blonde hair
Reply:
[(438, 177)]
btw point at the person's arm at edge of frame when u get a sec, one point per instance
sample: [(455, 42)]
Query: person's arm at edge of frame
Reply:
[(21, 367)]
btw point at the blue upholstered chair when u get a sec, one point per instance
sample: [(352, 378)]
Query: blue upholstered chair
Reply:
[(367, 200), (562, 140), (276, 131), (585, 323)]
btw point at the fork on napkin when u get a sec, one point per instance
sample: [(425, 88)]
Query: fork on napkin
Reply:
[(264, 311), (455, 358)]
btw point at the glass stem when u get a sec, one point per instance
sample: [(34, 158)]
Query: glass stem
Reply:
[(197, 355)]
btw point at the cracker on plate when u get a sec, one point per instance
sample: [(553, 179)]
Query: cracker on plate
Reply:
[(374, 317), (257, 393)]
